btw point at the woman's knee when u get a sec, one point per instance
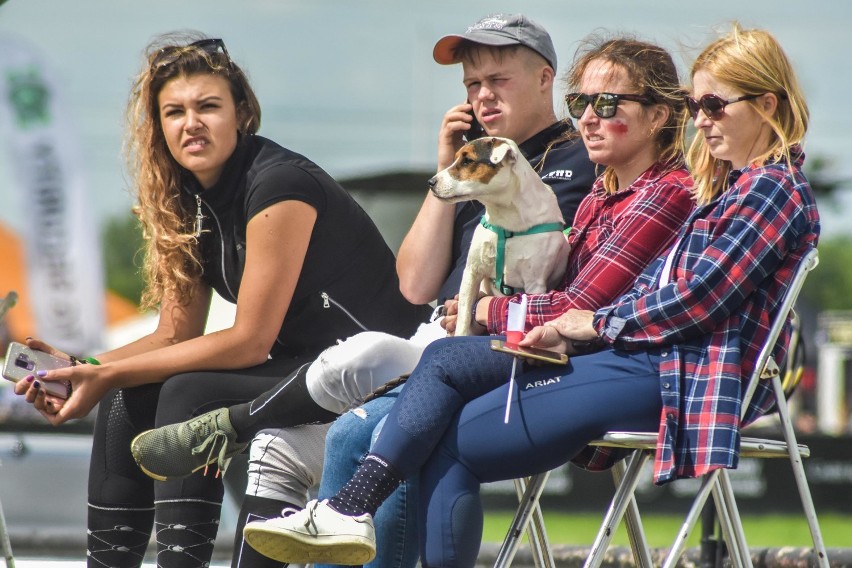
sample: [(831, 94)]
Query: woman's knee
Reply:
[(184, 396), (351, 370), (350, 430)]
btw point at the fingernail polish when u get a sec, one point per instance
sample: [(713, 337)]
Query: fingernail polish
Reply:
[(30, 379), (36, 385), (41, 373)]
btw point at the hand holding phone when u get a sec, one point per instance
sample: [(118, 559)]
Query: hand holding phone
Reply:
[(476, 130), (530, 352), (22, 361)]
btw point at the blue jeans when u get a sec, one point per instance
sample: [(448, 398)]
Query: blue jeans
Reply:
[(348, 441)]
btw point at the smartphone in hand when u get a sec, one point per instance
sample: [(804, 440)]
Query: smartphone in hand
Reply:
[(476, 130), (529, 352), (21, 361)]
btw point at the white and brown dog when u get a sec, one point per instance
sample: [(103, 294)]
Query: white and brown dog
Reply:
[(519, 245)]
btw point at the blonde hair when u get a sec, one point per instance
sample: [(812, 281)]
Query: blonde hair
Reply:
[(654, 74), (753, 62), (171, 265)]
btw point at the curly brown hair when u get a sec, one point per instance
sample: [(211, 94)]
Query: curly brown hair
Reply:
[(171, 266)]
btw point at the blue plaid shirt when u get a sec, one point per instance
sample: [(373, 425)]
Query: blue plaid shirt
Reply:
[(730, 268)]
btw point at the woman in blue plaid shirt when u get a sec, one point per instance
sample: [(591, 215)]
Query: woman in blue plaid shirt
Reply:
[(676, 351)]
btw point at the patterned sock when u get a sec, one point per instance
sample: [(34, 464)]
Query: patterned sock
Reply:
[(374, 481), (186, 533), (117, 537)]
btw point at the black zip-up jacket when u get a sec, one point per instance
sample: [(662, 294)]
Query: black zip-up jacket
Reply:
[(348, 282)]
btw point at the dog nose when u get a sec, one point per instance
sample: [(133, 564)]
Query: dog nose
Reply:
[(433, 181)]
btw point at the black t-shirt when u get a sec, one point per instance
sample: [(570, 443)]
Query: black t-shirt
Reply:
[(566, 168), (348, 281)]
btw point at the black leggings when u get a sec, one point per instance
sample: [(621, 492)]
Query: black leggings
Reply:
[(119, 493)]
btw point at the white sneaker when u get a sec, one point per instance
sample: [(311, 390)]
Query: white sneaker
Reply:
[(316, 534)]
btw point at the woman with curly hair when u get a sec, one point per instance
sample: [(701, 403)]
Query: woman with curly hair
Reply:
[(225, 210)]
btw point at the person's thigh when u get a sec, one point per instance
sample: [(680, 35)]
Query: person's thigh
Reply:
[(553, 416), (187, 395), (348, 372)]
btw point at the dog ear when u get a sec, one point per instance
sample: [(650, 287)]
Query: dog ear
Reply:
[(502, 151)]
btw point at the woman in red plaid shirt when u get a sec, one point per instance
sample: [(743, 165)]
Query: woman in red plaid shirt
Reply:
[(679, 346)]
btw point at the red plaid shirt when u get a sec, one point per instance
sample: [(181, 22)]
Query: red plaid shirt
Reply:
[(613, 238)]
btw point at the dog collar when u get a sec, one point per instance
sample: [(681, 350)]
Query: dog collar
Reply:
[(502, 235)]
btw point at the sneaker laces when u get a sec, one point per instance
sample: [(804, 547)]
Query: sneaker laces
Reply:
[(218, 440), (310, 523)]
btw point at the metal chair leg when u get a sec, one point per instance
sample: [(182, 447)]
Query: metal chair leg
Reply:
[(620, 501), (536, 531), (799, 473), (633, 523), (729, 518), (691, 518), (529, 503), (4, 540)]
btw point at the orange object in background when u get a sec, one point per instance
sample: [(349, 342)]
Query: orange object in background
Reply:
[(19, 320)]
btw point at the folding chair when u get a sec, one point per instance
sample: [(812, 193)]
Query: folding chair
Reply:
[(717, 482)]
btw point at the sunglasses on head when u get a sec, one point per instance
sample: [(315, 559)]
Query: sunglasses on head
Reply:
[(603, 104), (713, 105), (210, 46)]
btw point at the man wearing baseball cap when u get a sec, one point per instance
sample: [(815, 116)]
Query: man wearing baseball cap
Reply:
[(509, 65), (498, 30)]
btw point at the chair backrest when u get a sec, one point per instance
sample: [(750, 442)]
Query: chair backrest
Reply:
[(765, 366)]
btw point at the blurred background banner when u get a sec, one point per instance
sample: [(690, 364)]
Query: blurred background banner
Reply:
[(62, 255)]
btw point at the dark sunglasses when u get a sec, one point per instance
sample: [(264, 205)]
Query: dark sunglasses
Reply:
[(604, 104), (210, 46), (713, 105)]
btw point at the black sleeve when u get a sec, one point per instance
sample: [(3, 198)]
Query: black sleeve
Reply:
[(283, 182)]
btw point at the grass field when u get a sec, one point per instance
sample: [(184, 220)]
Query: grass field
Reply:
[(761, 531)]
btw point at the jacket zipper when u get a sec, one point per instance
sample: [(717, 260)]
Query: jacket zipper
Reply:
[(327, 302), (198, 219)]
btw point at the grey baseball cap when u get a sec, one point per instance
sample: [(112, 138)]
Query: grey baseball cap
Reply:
[(498, 30)]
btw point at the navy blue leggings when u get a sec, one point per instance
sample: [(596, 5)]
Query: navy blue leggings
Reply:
[(449, 422)]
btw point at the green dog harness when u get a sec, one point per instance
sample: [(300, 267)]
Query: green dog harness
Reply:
[(502, 235)]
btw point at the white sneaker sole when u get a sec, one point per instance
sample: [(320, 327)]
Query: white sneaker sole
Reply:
[(296, 548)]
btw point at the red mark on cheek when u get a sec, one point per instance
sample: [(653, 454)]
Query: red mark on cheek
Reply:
[(616, 126)]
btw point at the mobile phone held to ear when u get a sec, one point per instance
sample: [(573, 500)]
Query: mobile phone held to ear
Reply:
[(476, 130), (21, 361), (529, 352)]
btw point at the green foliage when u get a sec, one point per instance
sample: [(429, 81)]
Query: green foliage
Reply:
[(830, 286), (122, 243)]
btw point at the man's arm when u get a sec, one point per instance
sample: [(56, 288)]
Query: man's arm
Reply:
[(425, 254)]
